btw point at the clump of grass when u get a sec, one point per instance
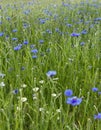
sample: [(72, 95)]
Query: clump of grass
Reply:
[(50, 65)]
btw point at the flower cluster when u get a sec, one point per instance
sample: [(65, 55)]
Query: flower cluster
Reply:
[(74, 101)]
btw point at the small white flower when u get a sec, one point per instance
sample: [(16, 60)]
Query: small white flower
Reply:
[(23, 85), (23, 99), (53, 94), (41, 109), (47, 112), (2, 75), (35, 89), (18, 108), (34, 96), (2, 84), (41, 81), (58, 110), (58, 118), (70, 59)]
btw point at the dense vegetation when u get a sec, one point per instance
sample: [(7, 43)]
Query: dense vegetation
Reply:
[(50, 65)]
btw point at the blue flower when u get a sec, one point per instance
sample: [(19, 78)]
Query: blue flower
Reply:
[(49, 31), (69, 25), (75, 34), (57, 29), (14, 30), (14, 39), (15, 91), (82, 43), (7, 37), (99, 93), (8, 18), (25, 42), (98, 116), (25, 25), (1, 34), (68, 92), (41, 41), (74, 101), (84, 32), (97, 19), (94, 89), (34, 56), (51, 73), (42, 21), (26, 12), (22, 68), (0, 22), (34, 51), (18, 47), (32, 46)]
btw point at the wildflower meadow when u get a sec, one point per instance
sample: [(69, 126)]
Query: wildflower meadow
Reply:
[(50, 65)]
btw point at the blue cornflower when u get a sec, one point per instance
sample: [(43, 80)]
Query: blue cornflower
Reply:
[(1, 34), (18, 47), (99, 93), (57, 29), (0, 22), (74, 101), (34, 56), (32, 46), (26, 12), (25, 25), (82, 43), (84, 32), (34, 51), (15, 91), (22, 68), (14, 30), (25, 42), (94, 89), (14, 39), (41, 41), (97, 19), (68, 92), (8, 18), (98, 116), (49, 31), (65, 4), (51, 73), (75, 34), (42, 21), (69, 25), (7, 37)]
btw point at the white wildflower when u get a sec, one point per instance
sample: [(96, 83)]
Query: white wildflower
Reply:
[(58, 110), (2, 75), (23, 99), (2, 84), (35, 89), (53, 94), (41, 81), (23, 85), (41, 109)]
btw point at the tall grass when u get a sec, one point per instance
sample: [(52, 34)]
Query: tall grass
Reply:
[(37, 37)]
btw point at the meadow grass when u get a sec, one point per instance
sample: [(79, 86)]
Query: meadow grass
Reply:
[(62, 37)]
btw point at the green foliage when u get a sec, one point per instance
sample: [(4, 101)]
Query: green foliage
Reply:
[(29, 99)]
